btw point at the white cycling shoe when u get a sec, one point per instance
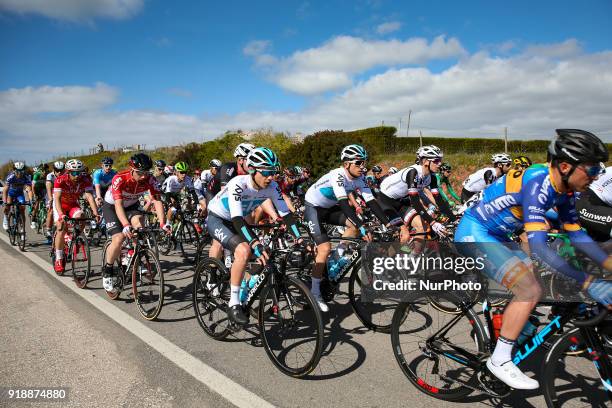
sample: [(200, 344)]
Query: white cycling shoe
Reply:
[(5, 223), (33, 225), (512, 376), (321, 303), (109, 283)]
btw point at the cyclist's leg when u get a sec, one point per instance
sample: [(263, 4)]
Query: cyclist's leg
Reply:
[(465, 195)]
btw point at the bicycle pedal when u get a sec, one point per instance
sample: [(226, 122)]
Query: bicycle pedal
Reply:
[(491, 385)]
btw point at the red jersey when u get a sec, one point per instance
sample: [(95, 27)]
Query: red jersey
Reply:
[(71, 190), (124, 187)]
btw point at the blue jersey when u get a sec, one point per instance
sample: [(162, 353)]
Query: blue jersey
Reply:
[(103, 179), (15, 184), (518, 200)]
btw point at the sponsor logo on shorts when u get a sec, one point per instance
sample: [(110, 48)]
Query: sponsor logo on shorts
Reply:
[(220, 235)]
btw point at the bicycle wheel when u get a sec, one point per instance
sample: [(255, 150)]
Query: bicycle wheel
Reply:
[(291, 326), (81, 260), (211, 293), (166, 242), (119, 274), (21, 233), (148, 284), (414, 325), (12, 231), (376, 315), (188, 241), (570, 379)]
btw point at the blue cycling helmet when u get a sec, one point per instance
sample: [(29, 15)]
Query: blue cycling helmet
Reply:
[(263, 158), (353, 152), (107, 161)]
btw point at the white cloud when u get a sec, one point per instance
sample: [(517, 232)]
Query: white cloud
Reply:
[(258, 50), (75, 10), (568, 48), (52, 99), (477, 96), (389, 27), (332, 65)]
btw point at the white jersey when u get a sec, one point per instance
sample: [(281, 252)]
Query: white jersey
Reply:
[(239, 197), (334, 186), (405, 182), (602, 187), (206, 177), (50, 178), (173, 185), (478, 181)]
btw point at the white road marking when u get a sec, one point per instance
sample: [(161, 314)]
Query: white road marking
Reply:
[(213, 379)]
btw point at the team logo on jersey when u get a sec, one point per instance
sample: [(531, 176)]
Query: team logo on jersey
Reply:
[(340, 180), (238, 193), (116, 183), (543, 195), (229, 171)]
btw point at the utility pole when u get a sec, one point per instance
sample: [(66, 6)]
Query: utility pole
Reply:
[(408, 125), (420, 139), (399, 130), (505, 140)]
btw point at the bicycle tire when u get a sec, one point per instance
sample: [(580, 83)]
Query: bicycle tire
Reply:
[(375, 316), (419, 306), (210, 306), (21, 233), (575, 390), (148, 286), (12, 231), (188, 240), (271, 312), (78, 246)]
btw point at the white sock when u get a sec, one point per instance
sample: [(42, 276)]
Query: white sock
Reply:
[(59, 254), (234, 295), (503, 351), (316, 287)]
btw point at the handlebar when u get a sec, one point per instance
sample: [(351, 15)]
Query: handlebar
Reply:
[(593, 321)]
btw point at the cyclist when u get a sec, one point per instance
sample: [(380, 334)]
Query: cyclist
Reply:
[(476, 182), (204, 183), (232, 169), (228, 210), (327, 202), (58, 169), (67, 189), (102, 178), (158, 171), (392, 170), (400, 194), (522, 162), (17, 187), (38, 187), (520, 200), (595, 208), (443, 179), (120, 209), (174, 185)]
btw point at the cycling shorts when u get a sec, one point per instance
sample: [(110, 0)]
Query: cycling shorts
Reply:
[(223, 231), (16, 194), (314, 217), (504, 260), (71, 211), (113, 225)]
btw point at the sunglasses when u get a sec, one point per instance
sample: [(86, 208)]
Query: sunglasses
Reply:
[(181, 172), (75, 173), (436, 161), (268, 173), (140, 172), (594, 170), (359, 163), (107, 166)]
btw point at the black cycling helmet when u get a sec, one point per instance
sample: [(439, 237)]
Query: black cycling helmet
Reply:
[(141, 162), (445, 167), (160, 163), (577, 146), (377, 169), (107, 161)]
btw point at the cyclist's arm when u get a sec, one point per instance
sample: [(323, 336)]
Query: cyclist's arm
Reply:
[(343, 202), (440, 189), (92, 202), (373, 205), (415, 199), (451, 191), (442, 203), (283, 210), (57, 201)]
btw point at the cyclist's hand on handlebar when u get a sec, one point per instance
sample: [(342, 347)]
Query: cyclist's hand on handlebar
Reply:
[(167, 227), (260, 252), (99, 201), (127, 231), (439, 229)]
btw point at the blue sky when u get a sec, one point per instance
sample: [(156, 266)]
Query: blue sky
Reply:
[(161, 72)]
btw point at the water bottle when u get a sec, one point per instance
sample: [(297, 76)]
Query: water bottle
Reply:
[(340, 262), (244, 292), (332, 271), (125, 259), (228, 258), (530, 328), (253, 281), (498, 316)]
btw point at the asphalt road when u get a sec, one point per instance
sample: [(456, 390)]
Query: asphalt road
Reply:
[(53, 337)]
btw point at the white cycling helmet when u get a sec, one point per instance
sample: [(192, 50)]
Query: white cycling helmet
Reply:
[(35, 169), (243, 149), (392, 170), (215, 163), (353, 152), (75, 165), (263, 158), (58, 165), (501, 158), (168, 170), (19, 165), (429, 152)]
